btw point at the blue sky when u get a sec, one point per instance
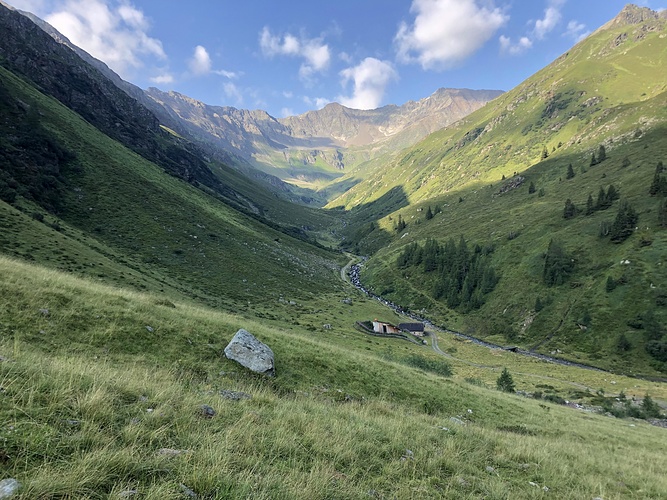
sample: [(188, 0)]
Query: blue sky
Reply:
[(288, 57)]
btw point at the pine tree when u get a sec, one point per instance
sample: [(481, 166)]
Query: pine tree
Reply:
[(662, 213), (545, 153), (611, 284), (612, 195), (590, 208), (601, 203), (650, 408), (570, 172), (538, 305), (593, 160), (570, 210), (429, 213), (624, 224), (505, 382), (602, 154), (531, 188), (557, 265)]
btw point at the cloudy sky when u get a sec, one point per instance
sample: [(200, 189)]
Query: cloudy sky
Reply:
[(288, 57)]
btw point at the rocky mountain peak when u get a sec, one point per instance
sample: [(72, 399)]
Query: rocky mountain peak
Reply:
[(634, 14)]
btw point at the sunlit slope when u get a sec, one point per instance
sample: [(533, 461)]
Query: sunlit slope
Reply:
[(103, 392), (583, 99)]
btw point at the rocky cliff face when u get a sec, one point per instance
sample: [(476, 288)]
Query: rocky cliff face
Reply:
[(325, 133), (28, 50)]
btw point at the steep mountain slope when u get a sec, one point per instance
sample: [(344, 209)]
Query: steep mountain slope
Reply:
[(199, 238), (318, 144), (564, 108), (536, 166)]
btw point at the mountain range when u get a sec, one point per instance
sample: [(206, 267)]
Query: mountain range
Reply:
[(140, 229)]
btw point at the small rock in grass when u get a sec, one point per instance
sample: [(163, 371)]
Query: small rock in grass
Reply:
[(206, 411), (545, 488), (187, 491), (150, 329), (457, 420), (490, 469), (9, 487), (234, 395), (44, 312), (533, 484)]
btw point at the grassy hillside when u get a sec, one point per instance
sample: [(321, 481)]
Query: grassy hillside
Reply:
[(114, 204), (97, 404), (606, 92), (585, 98)]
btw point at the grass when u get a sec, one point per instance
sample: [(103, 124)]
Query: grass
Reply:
[(91, 397)]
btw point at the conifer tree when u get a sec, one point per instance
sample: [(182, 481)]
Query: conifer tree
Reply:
[(429, 213), (612, 195), (590, 208), (662, 213), (602, 154), (593, 160), (570, 210), (557, 265), (505, 382), (531, 188), (545, 153), (601, 196), (624, 224), (570, 172)]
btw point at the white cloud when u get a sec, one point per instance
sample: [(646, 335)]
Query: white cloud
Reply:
[(36, 7), (117, 35), (370, 77), (163, 79), (200, 63), (315, 53), (577, 31), (521, 46), (233, 92), (288, 94), (552, 17), (285, 112), (316, 102), (445, 32)]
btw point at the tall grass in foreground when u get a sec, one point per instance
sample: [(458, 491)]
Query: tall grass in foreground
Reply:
[(81, 428), (94, 405)]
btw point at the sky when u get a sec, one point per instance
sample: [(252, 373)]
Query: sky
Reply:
[(288, 57)]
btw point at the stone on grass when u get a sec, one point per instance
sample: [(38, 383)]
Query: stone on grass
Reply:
[(9, 487), (187, 491), (234, 395), (206, 411), (246, 350)]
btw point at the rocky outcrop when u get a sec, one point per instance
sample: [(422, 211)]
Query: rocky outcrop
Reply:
[(59, 72), (246, 350)]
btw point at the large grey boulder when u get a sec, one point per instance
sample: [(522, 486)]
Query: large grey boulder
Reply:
[(245, 349)]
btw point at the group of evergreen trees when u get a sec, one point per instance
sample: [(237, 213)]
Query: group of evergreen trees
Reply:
[(558, 264), (462, 276), (605, 200)]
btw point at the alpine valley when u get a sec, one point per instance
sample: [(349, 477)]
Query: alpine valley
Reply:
[(141, 229)]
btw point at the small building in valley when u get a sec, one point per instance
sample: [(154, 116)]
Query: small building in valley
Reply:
[(382, 327), (413, 328)]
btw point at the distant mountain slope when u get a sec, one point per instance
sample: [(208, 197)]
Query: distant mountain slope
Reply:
[(318, 142), (565, 107)]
